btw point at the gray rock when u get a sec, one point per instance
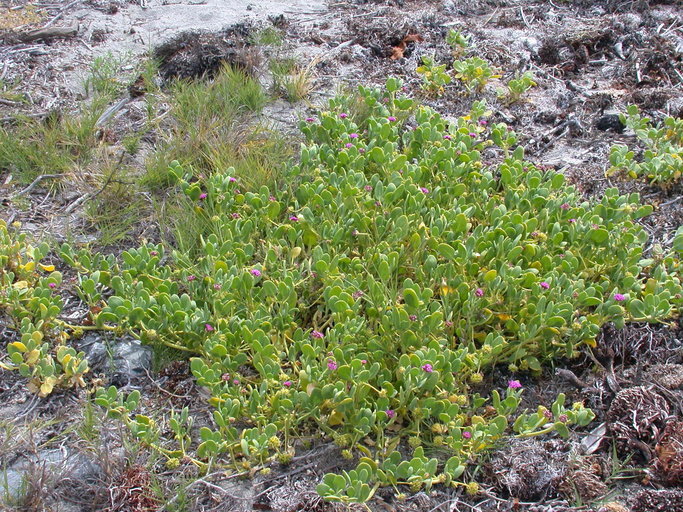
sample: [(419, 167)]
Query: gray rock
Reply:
[(123, 361)]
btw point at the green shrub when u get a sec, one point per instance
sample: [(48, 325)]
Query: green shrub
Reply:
[(365, 298), (662, 161)]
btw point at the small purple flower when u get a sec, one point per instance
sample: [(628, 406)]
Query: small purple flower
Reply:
[(548, 414), (571, 221), (235, 382), (208, 327), (272, 198), (357, 294), (293, 218), (368, 188), (353, 135), (562, 418), (428, 368), (447, 137), (361, 150), (287, 383), (565, 206), (217, 286), (52, 285), (619, 297), (232, 179), (310, 120), (479, 292), (544, 285), (424, 190), (483, 122), (191, 277), (348, 145), (514, 384), (317, 335), (413, 318), (390, 413), (472, 134), (225, 377), (363, 361), (467, 434), (235, 215), (448, 323), (153, 253), (255, 272), (331, 364), (343, 115), (203, 195), (391, 118)]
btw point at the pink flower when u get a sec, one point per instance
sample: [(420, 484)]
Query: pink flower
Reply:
[(467, 434), (424, 190), (287, 383), (52, 285), (390, 413), (272, 198), (413, 318), (563, 418), (255, 272), (208, 327), (237, 191), (479, 292), (514, 384), (368, 188), (217, 286), (544, 285), (317, 335), (203, 195), (391, 118), (447, 137), (427, 368), (225, 377), (565, 206), (232, 180), (310, 120), (153, 253), (361, 150), (472, 134), (331, 364), (357, 294), (348, 145), (235, 382), (293, 218), (191, 277), (619, 297), (343, 115), (483, 122), (448, 323), (363, 361), (235, 215), (353, 135), (571, 221)]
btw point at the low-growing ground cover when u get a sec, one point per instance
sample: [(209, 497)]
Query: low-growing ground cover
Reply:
[(360, 299)]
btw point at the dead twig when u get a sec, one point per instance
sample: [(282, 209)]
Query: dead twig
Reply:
[(50, 32), (59, 14), (35, 182)]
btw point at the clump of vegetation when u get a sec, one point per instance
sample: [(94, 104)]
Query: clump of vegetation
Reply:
[(474, 73), (516, 87), (458, 42), (661, 163), (30, 300), (291, 81), (434, 76), (363, 297)]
